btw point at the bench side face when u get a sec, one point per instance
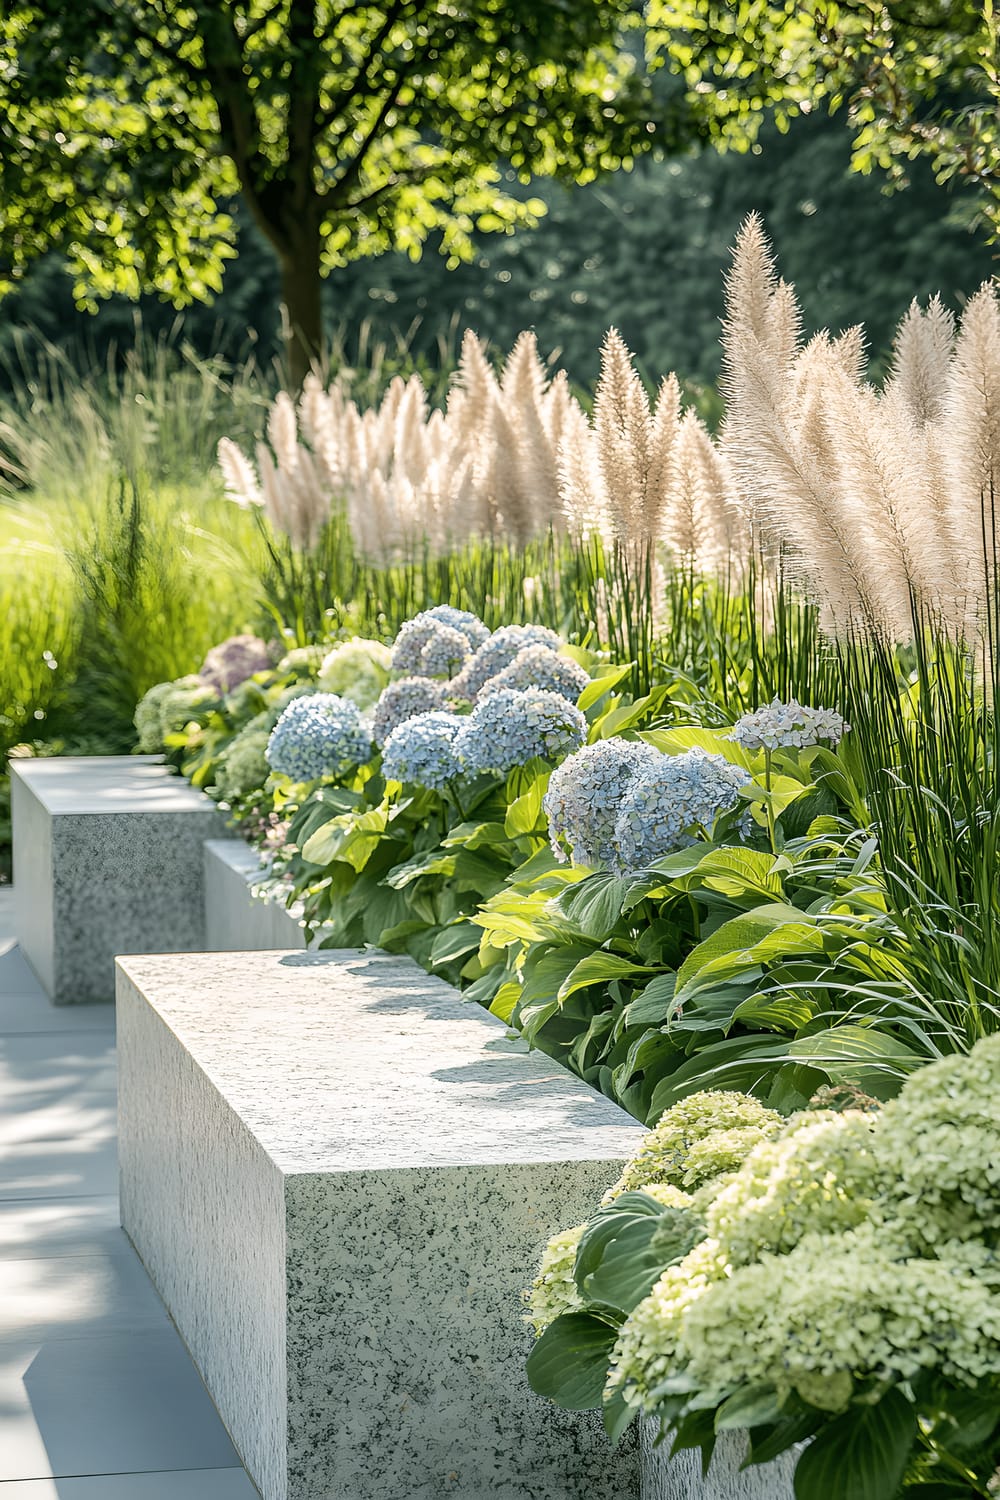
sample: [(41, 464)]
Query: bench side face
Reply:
[(33, 897), (407, 1340), (681, 1477), (236, 920), (204, 1207)]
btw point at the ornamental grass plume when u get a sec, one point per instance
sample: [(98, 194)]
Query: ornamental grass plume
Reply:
[(883, 501), (648, 475)]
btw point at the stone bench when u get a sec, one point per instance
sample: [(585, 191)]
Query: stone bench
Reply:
[(107, 860), (681, 1477), (339, 1176), (235, 919)]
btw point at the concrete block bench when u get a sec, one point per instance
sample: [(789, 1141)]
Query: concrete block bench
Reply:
[(681, 1478), (107, 860), (339, 1176), (236, 919)]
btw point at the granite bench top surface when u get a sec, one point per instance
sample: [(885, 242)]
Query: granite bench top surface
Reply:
[(73, 784), (353, 1061), (236, 853)]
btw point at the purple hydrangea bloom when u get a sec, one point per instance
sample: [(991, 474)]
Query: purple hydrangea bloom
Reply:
[(234, 660)]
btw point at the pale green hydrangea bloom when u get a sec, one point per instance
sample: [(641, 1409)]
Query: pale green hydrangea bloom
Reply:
[(149, 719), (939, 1143), (834, 1308), (357, 669), (819, 1174), (553, 1291), (168, 707), (242, 768), (303, 661), (690, 1127), (649, 1347)]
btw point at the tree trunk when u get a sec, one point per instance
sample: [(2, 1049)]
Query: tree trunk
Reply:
[(301, 287)]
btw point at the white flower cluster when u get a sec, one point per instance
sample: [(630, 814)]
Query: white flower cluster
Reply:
[(357, 669), (788, 726), (584, 795), (496, 653), (437, 642), (301, 661), (403, 700), (509, 728), (539, 667), (318, 735), (667, 800), (422, 750)]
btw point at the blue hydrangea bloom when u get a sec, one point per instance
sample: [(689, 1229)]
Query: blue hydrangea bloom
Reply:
[(318, 735), (403, 700), (434, 625), (669, 798), (584, 796), (511, 727), (422, 750), (463, 620), (445, 652), (539, 666), (788, 725), (503, 646)]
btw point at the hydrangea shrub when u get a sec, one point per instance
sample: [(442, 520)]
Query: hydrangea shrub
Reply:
[(357, 669), (820, 1267), (585, 794), (234, 660)]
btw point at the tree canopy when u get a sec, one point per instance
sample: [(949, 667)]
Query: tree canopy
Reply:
[(347, 128), (129, 131)]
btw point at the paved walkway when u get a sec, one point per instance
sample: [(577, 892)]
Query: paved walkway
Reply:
[(98, 1397)]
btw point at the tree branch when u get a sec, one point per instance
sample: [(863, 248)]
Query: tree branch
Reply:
[(360, 80), (352, 171)]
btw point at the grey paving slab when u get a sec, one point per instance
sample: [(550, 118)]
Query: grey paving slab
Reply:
[(113, 1404), (76, 1168), (47, 1227), (77, 1296), (17, 977), (57, 1063), (87, 1115), (24, 1015), (55, 1087), (185, 1484)]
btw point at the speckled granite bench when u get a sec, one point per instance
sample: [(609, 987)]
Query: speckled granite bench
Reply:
[(107, 860), (339, 1176), (235, 919), (681, 1478)]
